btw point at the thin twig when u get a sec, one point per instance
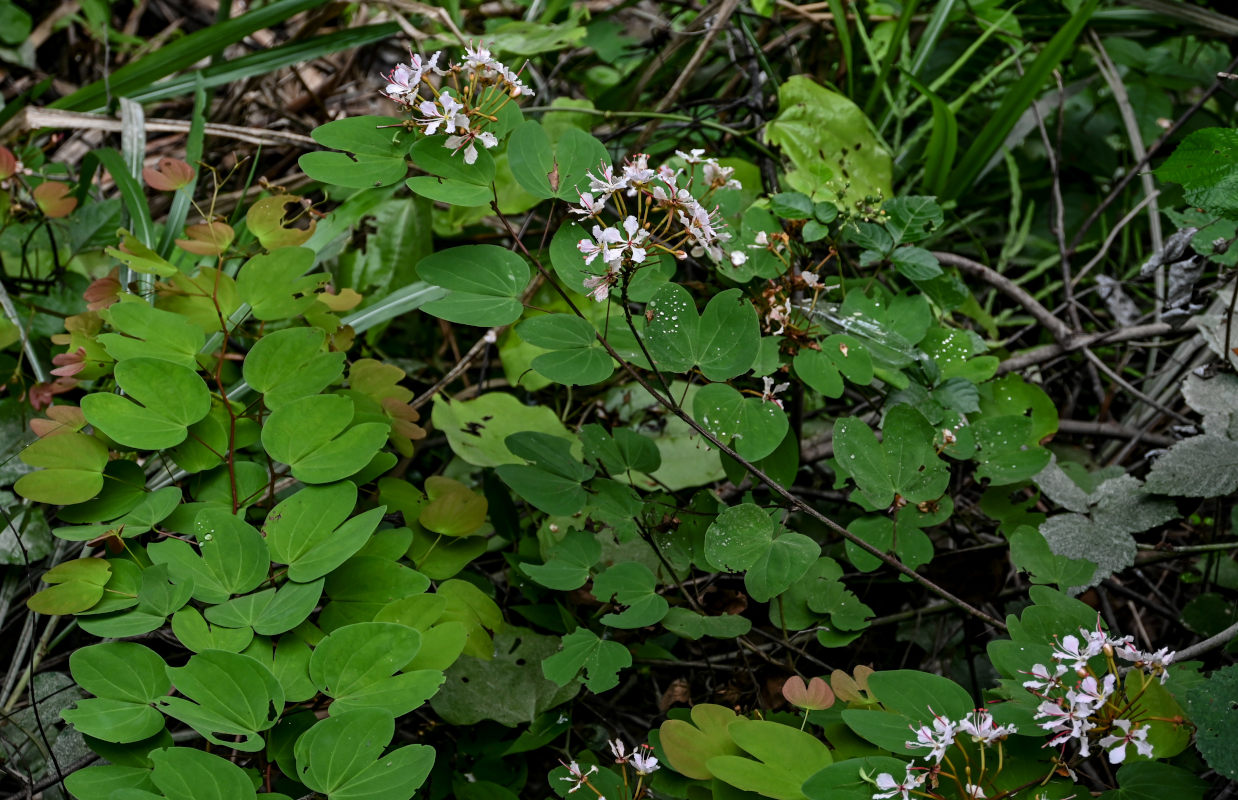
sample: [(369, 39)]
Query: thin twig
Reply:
[(1061, 332)]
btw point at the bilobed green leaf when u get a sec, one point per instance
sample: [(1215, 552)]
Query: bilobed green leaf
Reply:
[(567, 563), (691, 625), (485, 282), (920, 696), (576, 358), (312, 436), (786, 560), (478, 429), (633, 585), (738, 537), (193, 631), (270, 611), (1154, 780), (599, 659), (164, 399), (225, 694), (308, 532), (690, 746), (275, 284), (342, 757), (73, 466), (756, 425), (146, 331), (356, 665), (723, 340), (290, 364), (234, 557), (373, 156), (364, 135), (786, 757), (126, 679), (74, 587), (184, 772)]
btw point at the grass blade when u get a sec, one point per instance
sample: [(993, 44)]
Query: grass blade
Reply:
[(180, 54), (264, 61), (1017, 99), (130, 192), (181, 201)]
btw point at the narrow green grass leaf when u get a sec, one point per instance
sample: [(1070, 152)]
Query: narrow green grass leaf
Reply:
[(173, 57), (1021, 95), (130, 192)]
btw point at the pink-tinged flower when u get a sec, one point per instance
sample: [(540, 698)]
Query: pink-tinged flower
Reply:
[(468, 141), (894, 788), (405, 79), (619, 750), (1092, 694), (720, 177), (779, 315), (578, 776), (602, 243), (606, 184), (588, 206), (444, 112), (1072, 650), (1152, 663), (599, 285), (636, 173), (983, 729), (643, 760), (1066, 721), (811, 280), (937, 739), (1042, 681), (479, 61), (1117, 744), (636, 236), (692, 156), (767, 394)]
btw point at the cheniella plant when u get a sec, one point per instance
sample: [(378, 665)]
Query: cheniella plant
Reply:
[(276, 574)]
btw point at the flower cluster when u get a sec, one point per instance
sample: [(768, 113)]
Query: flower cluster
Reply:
[(660, 209), (1076, 700), (470, 95), (937, 738)]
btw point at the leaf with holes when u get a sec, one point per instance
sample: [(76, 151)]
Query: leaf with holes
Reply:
[(225, 694)]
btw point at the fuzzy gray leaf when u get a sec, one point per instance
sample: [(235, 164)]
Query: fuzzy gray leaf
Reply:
[(1076, 536), (1202, 466), (1122, 504), (1059, 488), (1215, 398)]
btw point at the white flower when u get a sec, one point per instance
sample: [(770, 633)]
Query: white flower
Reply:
[(588, 206), (619, 750), (577, 776), (515, 86), (811, 280), (599, 285), (762, 238), (720, 177), (601, 244), (738, 258), (901, 789), (1117, 744), (937, 739), (636, 236), (1070, 649), (607, 184), (973, 791), (1066, 721), (983, 729), (406, 78), (643, 762), (479, 61), (1092, 694), (468, 140), (767, 395), (1043, 681), (1152, 663), (636, 173), (445, 112), (691, 157)]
